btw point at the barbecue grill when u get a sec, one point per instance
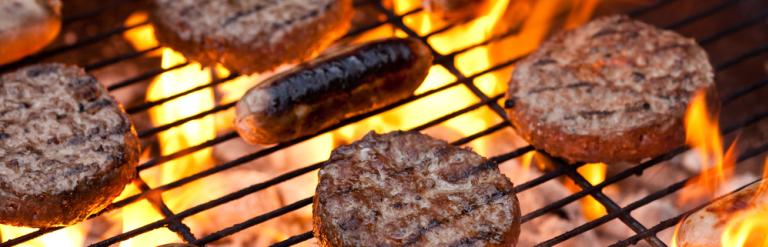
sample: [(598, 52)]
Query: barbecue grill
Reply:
[(741, 59)]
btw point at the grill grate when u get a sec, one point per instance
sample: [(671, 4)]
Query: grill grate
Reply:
[(173, 221)]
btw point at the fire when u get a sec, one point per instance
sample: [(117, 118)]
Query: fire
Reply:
[(189, 134), (526, 160), (594, 173), (138, 36), (676, 233), (750, 227), (73, 236), (703, 135), (747, 228), (746, 224)]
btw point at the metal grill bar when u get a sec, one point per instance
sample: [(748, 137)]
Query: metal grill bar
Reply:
[(637, 204), (81, 43), (174, 221), (119, 58), (712, 10), (144, 76), (157, 201)]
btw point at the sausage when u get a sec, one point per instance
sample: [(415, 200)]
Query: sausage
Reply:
[(320, 93), (457, 10), (705, 226)]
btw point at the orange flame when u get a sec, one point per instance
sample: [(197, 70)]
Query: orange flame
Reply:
[(748, 228), (746, 223), (189, 134), (594, 173), (703, 135), (676, 233), (526, 160), (73, 236)]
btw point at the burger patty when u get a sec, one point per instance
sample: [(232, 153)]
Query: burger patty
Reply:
[(66, 147), (405, 188), (612, 90), (250, 36)]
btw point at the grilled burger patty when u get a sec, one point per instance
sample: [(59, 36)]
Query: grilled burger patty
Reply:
[(26, 26), (66, 147), (250, 36), (405, 188), (612, 90)]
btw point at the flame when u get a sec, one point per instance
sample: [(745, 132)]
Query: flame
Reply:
[(748, 228), (595, 174), (526, 160), (189, 134), (703, 135), (139, 36), (676, 233), (71, 236), (746, 224)]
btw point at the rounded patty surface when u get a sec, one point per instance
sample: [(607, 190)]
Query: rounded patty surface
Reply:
[(612, 90), (250, 36), (405, 188), (66, 146)]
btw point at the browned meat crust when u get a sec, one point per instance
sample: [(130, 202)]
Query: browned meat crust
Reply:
[(322, 92), (408, 189), (67, 148), (250, 36), (613, 90)]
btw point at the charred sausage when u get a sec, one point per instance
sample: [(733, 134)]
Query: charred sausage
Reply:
[(320, 93)]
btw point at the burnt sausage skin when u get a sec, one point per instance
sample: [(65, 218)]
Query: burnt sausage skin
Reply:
[(320, 93)]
